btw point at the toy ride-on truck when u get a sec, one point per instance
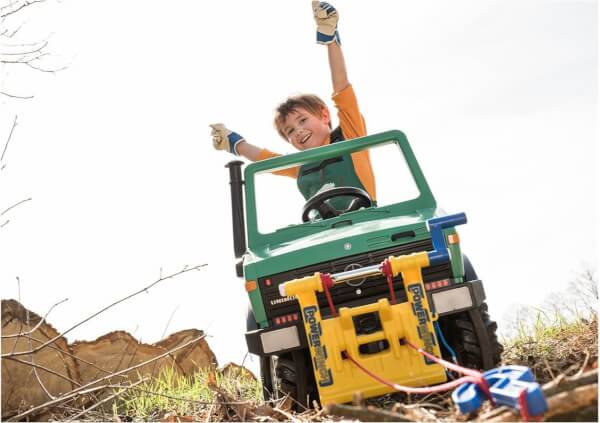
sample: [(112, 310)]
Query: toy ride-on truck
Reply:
[(345, 275)]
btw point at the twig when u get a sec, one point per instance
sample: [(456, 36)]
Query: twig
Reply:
[(65, 397), (569, 383), (99, 403), (20, 97), (548, 368), (120, 372), (35, 372), (42, 320), (37, 366), (20, 321), (572, 401), (584, 365), (369, 414), (169, 322), (15, 205), (101, 311), (24, 5), (9, 137), (68, 354), (284, 414), (193, 401)]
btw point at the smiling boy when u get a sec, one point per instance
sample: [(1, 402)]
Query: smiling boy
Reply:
[(305, 122)]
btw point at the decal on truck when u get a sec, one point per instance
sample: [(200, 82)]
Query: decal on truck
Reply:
[(422, 315), (320, 357)]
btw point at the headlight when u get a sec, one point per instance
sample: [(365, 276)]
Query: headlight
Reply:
[(280, 339), (452, 299)]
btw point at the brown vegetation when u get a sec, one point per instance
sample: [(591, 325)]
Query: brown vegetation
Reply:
[(36, 371)]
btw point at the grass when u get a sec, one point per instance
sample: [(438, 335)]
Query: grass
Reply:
[(171, 394), (556, 338), (554, 346)]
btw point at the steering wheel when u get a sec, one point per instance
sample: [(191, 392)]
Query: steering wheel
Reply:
[(318, 202)]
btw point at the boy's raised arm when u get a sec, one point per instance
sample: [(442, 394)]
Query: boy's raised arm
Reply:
[(227, 140), (326, 18)]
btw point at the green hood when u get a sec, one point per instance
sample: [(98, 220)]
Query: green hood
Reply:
[(335, 243)]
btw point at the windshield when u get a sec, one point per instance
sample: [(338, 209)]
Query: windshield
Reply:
[(279, 202)]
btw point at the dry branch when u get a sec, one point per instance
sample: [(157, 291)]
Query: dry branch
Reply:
[(185, 270), (105, 400), (37, 366), (68, 354), (561, 383), (18, 8), (368, 414), (36, 327), (81, 389), (569, 402), (9, 138)]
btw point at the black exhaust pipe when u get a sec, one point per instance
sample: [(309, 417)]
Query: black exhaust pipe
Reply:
[(237, 207)]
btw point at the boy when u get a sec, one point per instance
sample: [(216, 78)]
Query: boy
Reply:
[(305, 122)]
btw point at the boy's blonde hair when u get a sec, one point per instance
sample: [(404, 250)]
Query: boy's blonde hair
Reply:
[(309, 102)]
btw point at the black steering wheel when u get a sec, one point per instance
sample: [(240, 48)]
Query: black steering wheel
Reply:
[(318, 202)]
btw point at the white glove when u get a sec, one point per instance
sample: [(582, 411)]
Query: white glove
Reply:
[(326, 18), (224, 139)]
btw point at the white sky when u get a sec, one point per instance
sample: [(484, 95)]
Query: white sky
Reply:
[(498, 99)]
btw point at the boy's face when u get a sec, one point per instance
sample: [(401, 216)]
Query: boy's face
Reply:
[(305, 130)]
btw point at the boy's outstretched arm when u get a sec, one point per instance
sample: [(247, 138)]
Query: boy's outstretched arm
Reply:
[(326, 18), (227, 140), (337, 65)]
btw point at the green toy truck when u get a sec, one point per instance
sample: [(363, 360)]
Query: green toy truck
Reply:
[(342, 232)]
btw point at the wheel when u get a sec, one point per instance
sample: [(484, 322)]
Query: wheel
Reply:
[(293, 376), (472, 336), (266, 377)]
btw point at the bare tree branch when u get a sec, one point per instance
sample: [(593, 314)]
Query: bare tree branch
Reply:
[(193, 401), (25, 4), (9, 138), (73, 356), (35, 372), (15, 205), (39, 46), (20, 97), (89, 384), (37, 68), (42, 320), (185, 270), (37, 366), (66, 397), (109, 398)]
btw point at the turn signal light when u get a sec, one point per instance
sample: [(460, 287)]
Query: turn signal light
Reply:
[(437, 284), (288, 318)]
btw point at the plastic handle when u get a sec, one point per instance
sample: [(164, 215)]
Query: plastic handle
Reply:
[(506, 384), (436, 226)]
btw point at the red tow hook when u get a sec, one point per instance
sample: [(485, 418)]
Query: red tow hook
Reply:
[(386, 269)]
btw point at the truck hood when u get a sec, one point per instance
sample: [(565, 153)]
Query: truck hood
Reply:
[(334, 243)]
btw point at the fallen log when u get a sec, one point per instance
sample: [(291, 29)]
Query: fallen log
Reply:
[(364, 414)]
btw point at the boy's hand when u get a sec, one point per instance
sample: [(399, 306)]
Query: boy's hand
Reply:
[(224, 139), (326, 18)]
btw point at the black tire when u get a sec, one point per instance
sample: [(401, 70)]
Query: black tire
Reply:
[(266, 377), (293, 375), (472, 336)]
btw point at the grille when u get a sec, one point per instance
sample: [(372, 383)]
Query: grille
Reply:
[(344, 294)]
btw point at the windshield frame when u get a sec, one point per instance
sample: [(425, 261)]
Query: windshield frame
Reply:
[(256, 239)]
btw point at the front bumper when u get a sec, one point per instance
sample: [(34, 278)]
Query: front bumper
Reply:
[(446, 301)]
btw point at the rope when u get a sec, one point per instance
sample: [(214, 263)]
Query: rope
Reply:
[(471, 376), (440, 335), (410, 390)]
